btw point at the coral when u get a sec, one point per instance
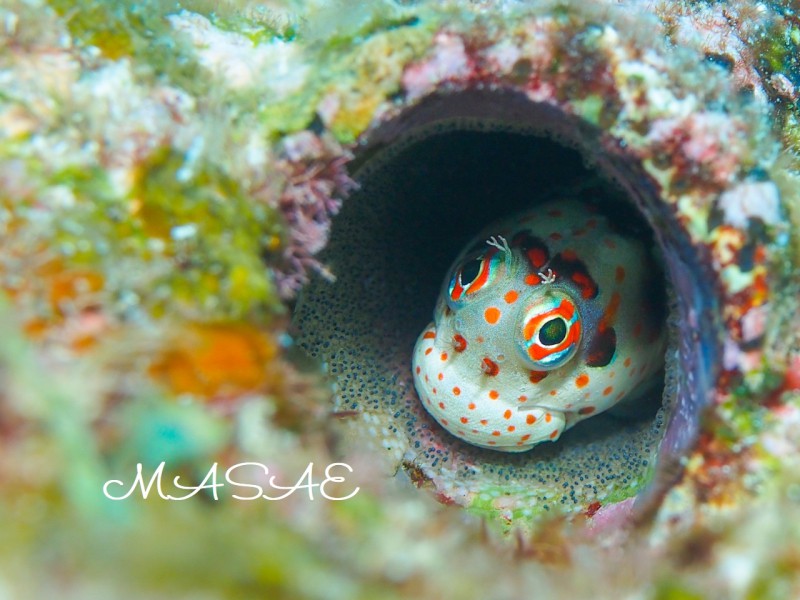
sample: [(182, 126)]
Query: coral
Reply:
[(173, 176)]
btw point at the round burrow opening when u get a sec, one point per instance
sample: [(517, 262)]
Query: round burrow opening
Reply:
[(429, 181)]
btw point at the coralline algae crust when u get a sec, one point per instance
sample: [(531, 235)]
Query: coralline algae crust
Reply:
[(162, 203)]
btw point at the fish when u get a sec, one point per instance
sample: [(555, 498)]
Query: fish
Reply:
[(545, 319)]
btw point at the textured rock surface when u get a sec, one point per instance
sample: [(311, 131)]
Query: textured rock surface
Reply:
[(169, 175)]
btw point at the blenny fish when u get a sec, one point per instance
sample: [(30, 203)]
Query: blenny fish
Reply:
[(545, 319)]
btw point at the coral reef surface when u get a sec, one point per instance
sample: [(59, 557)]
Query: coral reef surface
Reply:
[(224, 224)]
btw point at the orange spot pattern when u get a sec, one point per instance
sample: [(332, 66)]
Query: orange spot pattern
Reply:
[(610, 314), (492, 315), (582, 380)]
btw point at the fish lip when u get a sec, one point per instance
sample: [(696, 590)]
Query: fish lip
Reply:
[(527, 408)]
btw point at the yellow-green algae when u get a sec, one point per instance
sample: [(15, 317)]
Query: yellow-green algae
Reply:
[(175, 241)]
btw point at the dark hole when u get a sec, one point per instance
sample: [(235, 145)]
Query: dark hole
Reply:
[(416, 209)]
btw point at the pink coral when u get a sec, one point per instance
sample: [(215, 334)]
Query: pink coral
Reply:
[(316, 180)]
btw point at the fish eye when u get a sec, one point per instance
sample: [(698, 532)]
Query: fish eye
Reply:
[(549, 332), (553, 332), (474, 275), (470, 271)]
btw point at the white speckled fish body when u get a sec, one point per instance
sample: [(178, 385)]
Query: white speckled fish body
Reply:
[(545, 319)]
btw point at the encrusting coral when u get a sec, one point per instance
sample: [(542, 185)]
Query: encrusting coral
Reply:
[(173, 177)]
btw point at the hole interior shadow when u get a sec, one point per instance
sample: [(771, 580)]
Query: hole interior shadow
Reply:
[(390, 249)]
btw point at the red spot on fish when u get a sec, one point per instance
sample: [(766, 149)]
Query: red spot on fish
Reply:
[(538, 257), (537, 376), (459, 343), (489, 367)]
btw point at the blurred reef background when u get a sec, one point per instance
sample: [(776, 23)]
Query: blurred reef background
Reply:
[(169, 175)]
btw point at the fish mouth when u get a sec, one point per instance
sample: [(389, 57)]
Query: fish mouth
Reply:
[(430, 179)]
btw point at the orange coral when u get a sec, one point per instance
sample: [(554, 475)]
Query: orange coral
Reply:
[(221, 359)]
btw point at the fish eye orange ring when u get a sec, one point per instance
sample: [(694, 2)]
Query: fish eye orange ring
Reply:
[(488, 269), (540, 354)]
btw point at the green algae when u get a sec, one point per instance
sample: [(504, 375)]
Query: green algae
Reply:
[(675, 590), (227, 234), (140, 31), (194, 217), (359, 66), (779, 56), (742, 415), (262, 28), (538, 508), (216, 270)]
